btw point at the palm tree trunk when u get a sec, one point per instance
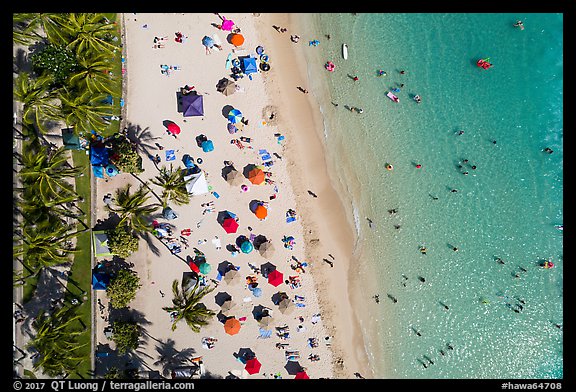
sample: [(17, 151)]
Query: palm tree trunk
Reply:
[(148, 186)]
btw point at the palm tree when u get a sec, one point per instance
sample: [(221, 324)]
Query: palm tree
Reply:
[(93, 74), (40, 103), (45, 245), (173, 185), (56, 341), (83, 110), (187, 306), (46, 172), (29, 27), (131, 208), (89, 32)]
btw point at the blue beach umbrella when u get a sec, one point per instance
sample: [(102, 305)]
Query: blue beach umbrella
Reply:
[(234, 116), (207, 145), (257, 291), (246, 247), (207, 41), (111, 170)]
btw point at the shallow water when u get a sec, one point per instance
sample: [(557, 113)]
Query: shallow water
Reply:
[(507, 207)]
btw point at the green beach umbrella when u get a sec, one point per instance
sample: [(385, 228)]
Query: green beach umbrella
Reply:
[(246, 247), (204, 268)]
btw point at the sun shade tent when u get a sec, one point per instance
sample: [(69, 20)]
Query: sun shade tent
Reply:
[(249, 65), (99, 156), (100, 244), (196, 183), (70, 139), (100, 280), (192, 105)]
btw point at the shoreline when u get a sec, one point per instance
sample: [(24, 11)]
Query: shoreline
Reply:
[(348, 340)]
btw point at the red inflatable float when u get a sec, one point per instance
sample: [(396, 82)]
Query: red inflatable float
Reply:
[(483, 63)]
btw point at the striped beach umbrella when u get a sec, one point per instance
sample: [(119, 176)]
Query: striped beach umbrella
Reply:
[(235, 116)]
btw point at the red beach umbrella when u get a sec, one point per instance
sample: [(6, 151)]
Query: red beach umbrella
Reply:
[(253, 366), (275, 278), (173, 128), (301, 376), (230, 225), (193, 266)]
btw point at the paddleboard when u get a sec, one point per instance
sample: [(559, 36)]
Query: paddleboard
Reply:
[(345, 51), (392, 97)]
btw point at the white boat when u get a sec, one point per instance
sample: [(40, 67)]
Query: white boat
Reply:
[(345, 51), (392, 97)]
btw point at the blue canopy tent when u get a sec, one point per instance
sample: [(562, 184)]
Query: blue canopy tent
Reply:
[(98, 156), (100, 280), (207, 146), (192, 105), (249, 65)]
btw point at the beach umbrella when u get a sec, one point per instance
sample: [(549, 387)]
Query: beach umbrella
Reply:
[(230, 276), (246, 247), (266, 250), (253, 366), (226, 86), (205, 268), (226, 306), (235, 116), (266, 321), (207, 146), (230, 225), (231, 128), (275, 278), (261, 212), (257, 291), (232, 326), (111, 170), (234, 178), (237, 39), (227, 24), (208, 41), (173, 128), (286, 306), (293, 367), (193, 266), (256, 176), (301, 376)]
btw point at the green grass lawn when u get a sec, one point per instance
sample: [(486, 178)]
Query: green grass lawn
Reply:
[(80, 280)]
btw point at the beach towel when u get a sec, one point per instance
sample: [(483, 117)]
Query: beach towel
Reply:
[(170, 156), (290, 219), (264, 333)]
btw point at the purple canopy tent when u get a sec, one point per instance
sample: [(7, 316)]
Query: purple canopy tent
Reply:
[(192, 105)]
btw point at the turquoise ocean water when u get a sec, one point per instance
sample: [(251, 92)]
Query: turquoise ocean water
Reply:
[(507, 207)]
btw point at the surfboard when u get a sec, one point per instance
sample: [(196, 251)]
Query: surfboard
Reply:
[(345, 51)]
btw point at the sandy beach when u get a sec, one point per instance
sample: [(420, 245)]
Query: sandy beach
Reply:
[(298, 172)]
